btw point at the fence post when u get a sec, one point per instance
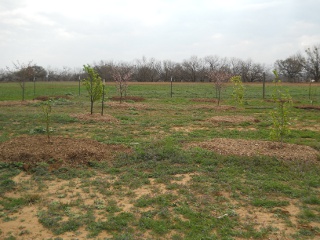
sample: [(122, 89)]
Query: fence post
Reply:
[(102, 105), (264, 85), (171, 86), (34, 88), (79, 84)]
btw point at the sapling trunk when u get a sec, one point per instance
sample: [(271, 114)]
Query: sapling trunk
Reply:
[(23, 90), (47, 117), (219, 97), (279, 116), (102, 103), (93, 84)]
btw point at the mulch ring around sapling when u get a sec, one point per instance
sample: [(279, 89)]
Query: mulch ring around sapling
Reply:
[(66, 151), (232, 119), (249, 148), (308, 107), (210, 100), (17, 103), (127, 98)]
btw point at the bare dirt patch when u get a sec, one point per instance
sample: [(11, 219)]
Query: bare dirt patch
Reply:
[(87, 117), (183, 179), (64, 151), (241, 147), (310, 125), (232, 119), (263, 219), (187, 129), (25, 225)]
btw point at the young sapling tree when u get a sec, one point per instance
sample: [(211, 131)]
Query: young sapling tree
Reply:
[(122, 75), (219, 78), (280, 114), (310, 92), (93, 84), (238, 90), (103, 96), (46, 109), (22, 72)]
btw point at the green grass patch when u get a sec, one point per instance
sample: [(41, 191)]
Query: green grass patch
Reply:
[(267, 203)]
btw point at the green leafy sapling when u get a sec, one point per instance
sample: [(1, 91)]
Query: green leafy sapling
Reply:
[(280, 114), (93, 84), (238, 90), (46, 109)]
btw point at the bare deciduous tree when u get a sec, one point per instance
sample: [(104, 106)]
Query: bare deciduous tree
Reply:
[(22, 72), (122, 74), (291, 68), (215, 63), (168, 70), (312, 63), (147, 70), (64, 74), (219, 78), (104, 68), (192, 68)]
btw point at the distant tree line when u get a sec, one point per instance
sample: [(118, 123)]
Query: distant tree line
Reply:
[(299, 68), (296, 68)]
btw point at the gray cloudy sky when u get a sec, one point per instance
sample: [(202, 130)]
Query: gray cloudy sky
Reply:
[(71, 33)]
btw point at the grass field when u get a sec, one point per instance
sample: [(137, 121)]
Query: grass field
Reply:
[(158, 187)]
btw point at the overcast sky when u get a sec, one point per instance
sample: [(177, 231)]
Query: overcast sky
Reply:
[(71, 33)]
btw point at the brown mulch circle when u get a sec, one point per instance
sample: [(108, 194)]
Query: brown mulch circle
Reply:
[(35, 100), (241, 147), (126, 105), (67, 151), (213, 100), (128, 98), (232, 119), (213, 107), (308, 107), (97, 117), (16, 103)]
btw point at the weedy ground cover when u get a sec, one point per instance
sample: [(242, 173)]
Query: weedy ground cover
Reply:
[(160, 189)]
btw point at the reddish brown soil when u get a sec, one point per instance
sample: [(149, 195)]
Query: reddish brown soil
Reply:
[(16, 103), (59, 151), (308, 107), (128, 98), (215, 107), (126, 105), (241, 147), (212, 100), (232, 119)]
